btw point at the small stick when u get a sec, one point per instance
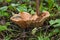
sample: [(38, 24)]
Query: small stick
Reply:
[(37, 7)]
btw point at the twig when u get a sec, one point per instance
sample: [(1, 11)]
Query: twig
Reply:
[(37, 7)]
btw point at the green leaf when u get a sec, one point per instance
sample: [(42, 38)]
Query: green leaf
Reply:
[(2, 28), (25, 0), (13, 5), (52, 14), (46, 38), (41, 6), (55, 23), (7, 37), (34, 31), (52, 22), (40, 38), (56, 30), (8, 1), (1, 0), (4, 8), (59, 8), (2, 13), (53, 32), (8, 23), (50, 3), (44, 9), (43, 38), (32, 12), (22, 8)]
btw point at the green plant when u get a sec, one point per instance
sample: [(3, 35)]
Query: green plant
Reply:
[(8, 1), (7, 37), (22, 8), (1, 0), (2, 13), (56, 27), (53, 32), (55, 23), (42, 36), (4, 8), (4, 27), (48, 5)]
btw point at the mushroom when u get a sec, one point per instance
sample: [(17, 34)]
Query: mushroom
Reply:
[(25, 19), (25, 15)]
